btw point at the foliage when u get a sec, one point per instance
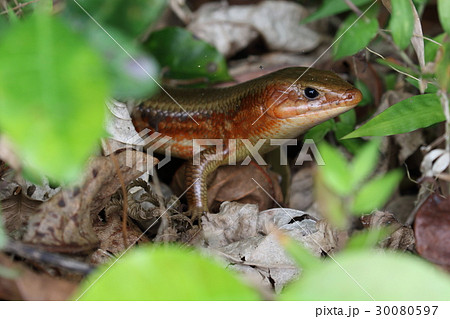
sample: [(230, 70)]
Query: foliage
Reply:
[(340, 186), (418, 111), (408, 115), (355, 33), (174, 273), (56, 73), (164, 273), (52, 92), (374, 276), (203, 61)]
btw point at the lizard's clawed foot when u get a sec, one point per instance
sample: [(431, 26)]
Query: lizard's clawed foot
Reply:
[(196, 213)]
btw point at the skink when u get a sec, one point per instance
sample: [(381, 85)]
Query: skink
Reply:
[(279, 105)]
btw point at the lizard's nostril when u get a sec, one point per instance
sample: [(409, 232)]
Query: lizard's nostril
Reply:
[(353, 95)]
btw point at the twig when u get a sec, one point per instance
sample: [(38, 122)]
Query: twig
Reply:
[(19, 6), (58, 260), (353, 7), (402, 54)]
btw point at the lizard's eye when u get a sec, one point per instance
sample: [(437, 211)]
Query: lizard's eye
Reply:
[(311, 93)]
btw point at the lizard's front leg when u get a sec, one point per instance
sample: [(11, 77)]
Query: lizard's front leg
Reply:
[(196, 174)]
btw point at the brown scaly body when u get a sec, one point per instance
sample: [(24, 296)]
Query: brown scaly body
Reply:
[(282, 104)]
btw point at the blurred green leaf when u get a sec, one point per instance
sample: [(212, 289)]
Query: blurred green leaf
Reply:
[(8, 273), (185, 57), (431, 88), (355, 36), (164, 273), (336, 170), (431, 48), (367, 95), (3, 25), (443, 68), (333, 7), (390, 80), (3, 238), (367, 274), (366, 239), (52, 96), (402, 22), (396, 67), (345, 125), (44, 7), (444, 14), (302, 256), (132, 77), (330, 204), (364, 162), (375, 193), (318, 132), (130, 17), (405, 116)]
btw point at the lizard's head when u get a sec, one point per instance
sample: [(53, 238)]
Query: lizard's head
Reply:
[(309, 96)]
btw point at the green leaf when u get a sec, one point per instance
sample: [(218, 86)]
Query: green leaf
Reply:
[(333, 7), (302, 256), (345, 125), (431, 88), (443, 68), (364, 162), (408, 115), (3, 25), (402, 22), (367, 95), (375, 193), (336, 171), (132, 77), (444, 14), (44, 7), (366, 239), (329, 203), (185, 57), (398, 67), (353, 36), (366, 274), (164, 273), (8, 273), (3, 238), (389, 81), (318, 132), (431, 48), (52, 96), (130, 17)]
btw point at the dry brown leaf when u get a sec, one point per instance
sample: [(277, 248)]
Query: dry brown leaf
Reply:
[(109, 232), (302, 197), (64, 223), (16, 208), (237, 183), (432, 230), (29, 285), (232, 28), (417, 38), (244, 237), (400, 237), (244, 184)]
